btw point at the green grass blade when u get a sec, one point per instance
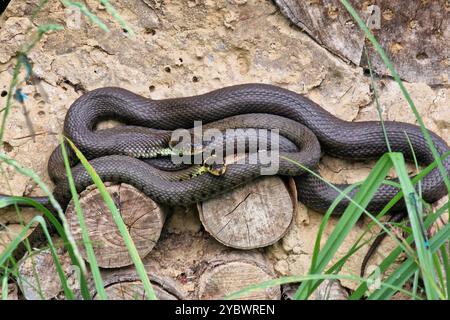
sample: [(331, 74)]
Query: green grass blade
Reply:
[(385, 264), (5, 286), (140, 269), (415, 180), (82, 7), (416, 164), (112, 11), (377, 101), (359, 292), (98, 281), (335, 268), (439, 274), (31, 174), (323, 224), (355, 247), (5, 202), (409, 267), (416, 284), (4, 256), (343, 194), (414, 213), (348, 219), (446, 263), (392, 257), (405, 93), (303, 279)]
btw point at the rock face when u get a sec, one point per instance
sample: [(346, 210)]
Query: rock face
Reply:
[(414, 34), (185, 48)]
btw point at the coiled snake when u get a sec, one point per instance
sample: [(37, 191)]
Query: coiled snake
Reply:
[(112, 149)]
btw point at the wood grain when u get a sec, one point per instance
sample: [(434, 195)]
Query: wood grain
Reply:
[(253, 216), (143, 217)]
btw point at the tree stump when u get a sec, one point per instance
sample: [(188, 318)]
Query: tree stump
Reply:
[(143, 217), (228, 274), (253, 216)]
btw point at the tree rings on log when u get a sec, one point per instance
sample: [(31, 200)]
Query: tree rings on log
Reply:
[(253, 216), (38, 277), (39, 280), (126, 285), (142, 216), (227, 275), (133, 290)]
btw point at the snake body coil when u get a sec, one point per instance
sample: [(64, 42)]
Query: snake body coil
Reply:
[(147, 118)]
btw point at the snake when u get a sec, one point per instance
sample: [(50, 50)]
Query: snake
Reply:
[(181, 187), (250, 132), (115, 152), (132, 153)]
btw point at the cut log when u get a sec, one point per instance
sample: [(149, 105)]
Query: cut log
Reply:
[(125, 284), (38, 277), (229, 274), (329, 289), (253, 216), (12, 293), (133, 290), (143, 217), (206, 269), (182, 266), (39, 280)]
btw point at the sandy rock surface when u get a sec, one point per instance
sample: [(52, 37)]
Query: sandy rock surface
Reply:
[(186, 48)]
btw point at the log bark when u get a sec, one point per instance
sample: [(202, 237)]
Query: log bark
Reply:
[(39, 279), (143, 217), (253, 216), (12, 293), (182, 266), (196, 261), (229, 273), (329, 289), (125, 284)]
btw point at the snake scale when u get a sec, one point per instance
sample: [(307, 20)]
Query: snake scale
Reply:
[(149, 121)]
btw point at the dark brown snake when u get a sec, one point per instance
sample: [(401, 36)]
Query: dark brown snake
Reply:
[(350, 140), (112, 151)]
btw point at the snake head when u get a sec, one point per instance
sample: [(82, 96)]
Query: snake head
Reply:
[(214, 168)]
